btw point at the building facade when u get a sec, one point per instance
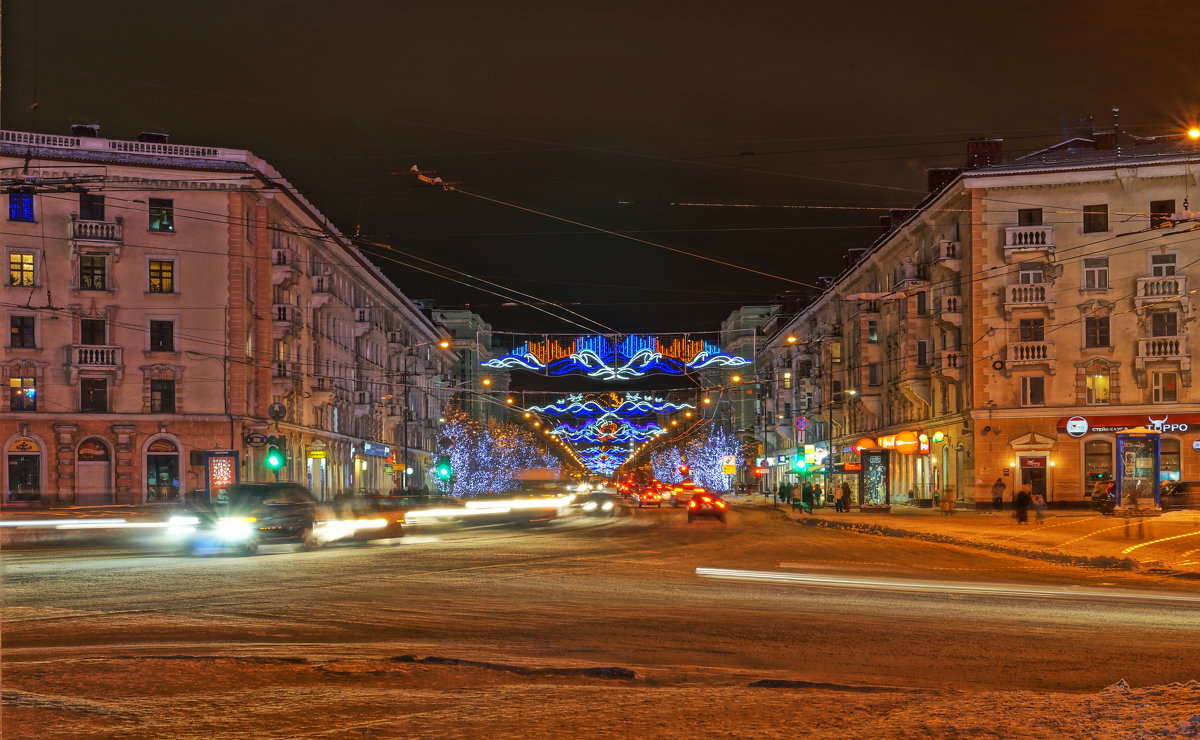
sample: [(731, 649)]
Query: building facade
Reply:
[(171, 308), (474, 387), (1006, 329)]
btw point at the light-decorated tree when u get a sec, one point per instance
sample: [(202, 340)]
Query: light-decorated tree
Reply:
[(702, 453), (491, 457)]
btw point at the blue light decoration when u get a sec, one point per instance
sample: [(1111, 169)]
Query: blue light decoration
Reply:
[(703, 455), (489, 458), (608, 429), (633, 404), (603, 460), (604, 357), (20, 207)]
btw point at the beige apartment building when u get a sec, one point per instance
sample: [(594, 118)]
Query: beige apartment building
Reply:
[(170, 308), (1008, 328)]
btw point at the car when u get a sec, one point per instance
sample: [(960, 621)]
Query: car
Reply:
[(598, 504), (1181, 494), (650, 497), (707, 505), (246, 515)]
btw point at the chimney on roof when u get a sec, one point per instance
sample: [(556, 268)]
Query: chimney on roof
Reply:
[(984, 152), (154, 137), (1106, 140), (88, 130), (940, 177), (853, 256), (885, 225)]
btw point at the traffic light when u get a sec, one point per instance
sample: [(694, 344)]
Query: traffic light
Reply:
[(276, 453), (443, 468), (799, 464)]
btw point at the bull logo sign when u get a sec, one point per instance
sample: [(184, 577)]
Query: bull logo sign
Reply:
[(1161, 425)]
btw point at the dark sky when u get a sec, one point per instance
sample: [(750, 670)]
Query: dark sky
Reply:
[(605, 115)]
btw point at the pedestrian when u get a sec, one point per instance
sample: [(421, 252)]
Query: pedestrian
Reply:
[(1039, 508), (1021, 503), (998, 494), (846, 497), (818, 495), (808, 497), (837, 499)]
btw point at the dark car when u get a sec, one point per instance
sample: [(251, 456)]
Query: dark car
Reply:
[(598, 503), (705, 504), (246, 515), (1182, 494), (650, 497)]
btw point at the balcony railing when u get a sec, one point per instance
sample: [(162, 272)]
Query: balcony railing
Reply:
[(1162, 347), (84, 355), (1029, 237), (1027, 353), (96, 231), (1029, 294), (1151, 290)]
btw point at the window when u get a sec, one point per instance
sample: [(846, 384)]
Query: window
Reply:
[(93, 395), (162, 276), (1095, 218), (162, 396), (1095, 273), (1097, 461), (20, 207), (873, 332), (162, 214), (20, 269), (1164, 324), (91, 207), (1169, 459), (1164, 387), (1031, 275), (1097, 388), (1162, 265), (22, 394), (922, 353), (21, 334), (1033, 390), (922, 303), (1029, 217), (1095, 331), (873, 374), (1032, 330), (92, 272), (1160, 212), (835, 352), (162, 336), (93, 332)]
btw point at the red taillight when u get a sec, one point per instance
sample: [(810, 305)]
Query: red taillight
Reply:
[(720, 504), (691, 504), (706, 499)]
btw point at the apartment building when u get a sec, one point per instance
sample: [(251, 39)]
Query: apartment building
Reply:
[(1010, 327), (177, 311)]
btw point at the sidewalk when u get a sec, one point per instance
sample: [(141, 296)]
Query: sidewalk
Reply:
[(1168, 542)]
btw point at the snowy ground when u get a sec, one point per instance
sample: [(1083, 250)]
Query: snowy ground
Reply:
[(285, 644)]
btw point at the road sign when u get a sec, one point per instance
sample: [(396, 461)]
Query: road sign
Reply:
[(729, 461), (801, 423), (255, 439), (277, 411)]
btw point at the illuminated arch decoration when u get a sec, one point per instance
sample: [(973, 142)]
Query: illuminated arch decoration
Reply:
[(603, 460), (608, 430), (595, 406), (601, 356)]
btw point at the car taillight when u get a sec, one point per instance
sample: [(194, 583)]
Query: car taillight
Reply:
[(706, 499), (691, 504), (720, 504)]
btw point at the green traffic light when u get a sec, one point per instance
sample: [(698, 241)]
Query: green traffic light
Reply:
[(275, 459)]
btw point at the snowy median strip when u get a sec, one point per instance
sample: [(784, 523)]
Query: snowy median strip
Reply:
[(904, 585)]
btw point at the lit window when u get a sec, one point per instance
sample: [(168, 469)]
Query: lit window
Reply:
[(22, 394), (20, 269), (1097, 388), (93, 273), (162, 276), (20, 207), (162, 214)]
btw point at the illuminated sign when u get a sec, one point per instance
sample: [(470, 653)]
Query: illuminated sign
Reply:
[(605, 357), (221, 473), (376, 450), (1032, 462), (633, 404), (1077, 426)]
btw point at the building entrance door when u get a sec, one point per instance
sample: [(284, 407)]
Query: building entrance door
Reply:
[(93, 476)]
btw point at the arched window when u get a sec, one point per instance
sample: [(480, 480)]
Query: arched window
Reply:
[(162, 471)]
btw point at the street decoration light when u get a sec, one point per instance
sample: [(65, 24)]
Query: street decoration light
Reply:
[(607, 358)]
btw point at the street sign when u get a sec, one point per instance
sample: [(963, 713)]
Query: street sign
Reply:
[(729, 469), (801, 423), (255, 439), (729, 461), (318, 454), (277, 411)]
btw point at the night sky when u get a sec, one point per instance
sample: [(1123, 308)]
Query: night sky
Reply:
[(607, 115)]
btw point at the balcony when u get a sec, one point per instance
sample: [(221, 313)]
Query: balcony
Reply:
[(1028, 295), (96, 232), (949, 255), (363, 401), (362, 321), (93, 357), (283, 267), (1162, 348), (949, 363), (1031, 353), (285, 318), (1154, 290), (949, 309), (1028, 238)]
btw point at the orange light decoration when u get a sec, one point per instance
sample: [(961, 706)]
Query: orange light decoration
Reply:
[(907, 443), (866, 443)]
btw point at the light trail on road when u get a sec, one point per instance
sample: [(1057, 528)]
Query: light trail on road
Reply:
[(896, 584)]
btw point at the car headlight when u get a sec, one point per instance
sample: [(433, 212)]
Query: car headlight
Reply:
[(183, 521), (235, 527), (608, 506), (589, 506)]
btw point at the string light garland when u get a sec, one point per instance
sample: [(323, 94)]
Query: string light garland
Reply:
[(608, 429), (632, 404), (489, 458), (610, 358)]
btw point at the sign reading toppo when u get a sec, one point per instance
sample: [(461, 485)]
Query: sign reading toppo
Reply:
[(1077, 426)]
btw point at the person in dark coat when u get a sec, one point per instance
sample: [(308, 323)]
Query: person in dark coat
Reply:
[(998, 494), (845, 501), (808, 497), (1021, 503)]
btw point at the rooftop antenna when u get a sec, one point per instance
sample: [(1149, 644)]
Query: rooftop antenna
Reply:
[(1116, 118)]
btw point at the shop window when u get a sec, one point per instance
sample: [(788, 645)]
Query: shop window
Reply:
[(1095, 218), (1164, 387), (1097, 462), (20, 269), (1098, 388), (1169, 459), (22, 394)]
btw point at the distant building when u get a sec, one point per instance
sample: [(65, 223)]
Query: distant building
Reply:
[(472, 342), (1017, 296), (171, 306)]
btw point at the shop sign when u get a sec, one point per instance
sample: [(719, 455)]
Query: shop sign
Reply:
[(887, 441), (906, 443), (1196, 445), (1031, 462), (23, 444), (852, 467), (781, 460), (866, 443), (1077, 426), (923, 447), (318, 454), (376, 450), (255, 439)]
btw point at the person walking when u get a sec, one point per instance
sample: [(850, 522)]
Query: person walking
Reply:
[(1039, 508), (1021, 504), (998, 494), (808, 496), (846, 497), (837, 500)]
